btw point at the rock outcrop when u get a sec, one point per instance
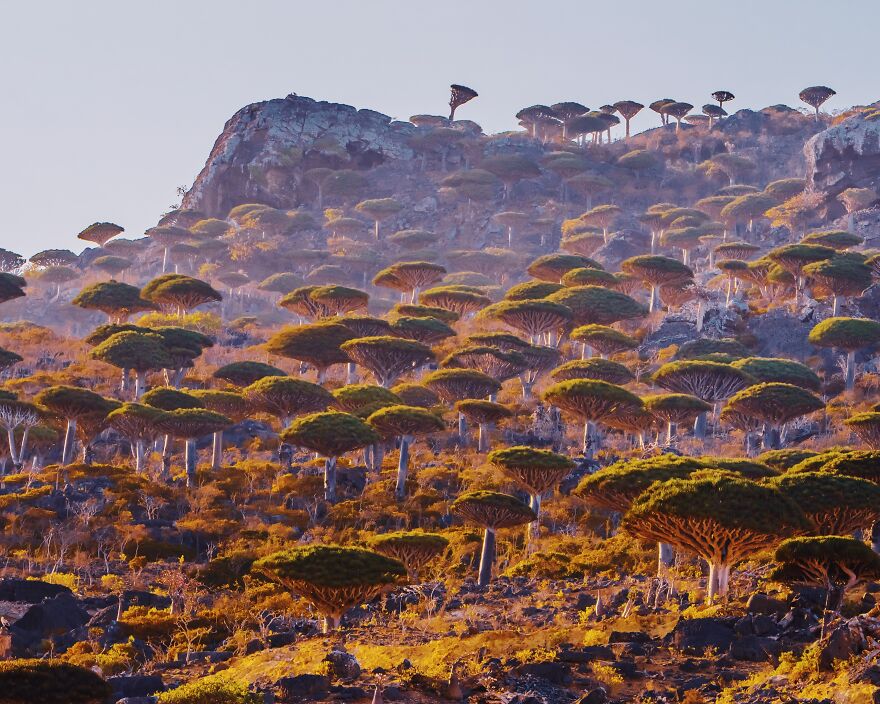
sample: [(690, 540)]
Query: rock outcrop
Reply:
[(846, 155), (265, 147)]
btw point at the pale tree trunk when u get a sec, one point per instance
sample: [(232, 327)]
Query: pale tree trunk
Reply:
[(487, 557), (483, 442), (534, 532), (665, 558), (190, 457), (330, 480), (139, 456), (402, 468), (69, 440), (700, 425), (462, 430), (13, 454), (217, 450), (140, 384), (850, 370)]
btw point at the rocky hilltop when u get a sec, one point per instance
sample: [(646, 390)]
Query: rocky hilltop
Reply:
[(265, 146)]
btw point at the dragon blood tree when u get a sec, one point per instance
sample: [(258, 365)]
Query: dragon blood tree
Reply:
[(11, 286), (720, 518), (387, 357), (117, 300), (495, 362), (142, 352), (463, 300), (74, 405), (140, 424), (228, 403), (415, 395), (532, 318), (594, 368), (841, 277), (243, 374), (785, 371), (484, 414), (362, 400), (838, 240), (453, 385), (532, 290), (656, 270), (405, 423), (378, 210), (830, 562), (414, 549), (674, 410), (849, 335), (458, 96), (17, 417), (589, 277), (552, 267), (330, 434), (833, 504), (332, 578), (603, 339), (100, 233), (814, 96), (285, 397), (590, 402), (189, 424), (866, 426), (628, 109), (339, 300), (709, 381), (595, 305), (491, 511), (792, 258), (409, 277), (317, 344), (427, 330), (176, 292), (535, 471), (300, 302), (615, 487), (774, 405)]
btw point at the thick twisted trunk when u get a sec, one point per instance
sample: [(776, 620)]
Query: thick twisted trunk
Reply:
[(487, 557)]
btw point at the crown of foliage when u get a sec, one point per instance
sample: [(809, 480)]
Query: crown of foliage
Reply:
[(784, 459), (675, 406), (695, 349), (286, 396), (110, 296), (552, 267), (410, 539), (179, 290), (603, 338), (456, 384), (245, 373), (657, 269), (785, 371), (412, 310), (589, 399), (192, 422), (316, 343), (587, 276), (531, 290), (723, 500), (845, 333), (709, 381), (415, 395), (134, 350), (524, 457), (863, 464), (169, 399), (826, 498), (823, 561), (330, 433), (794, 257), (836, 239), (774, 402), (332, 566), (593, 368), (741, 466), (597, 305), (73, 402), (405, 276), (399, 419), (491, 509), (482, 411)]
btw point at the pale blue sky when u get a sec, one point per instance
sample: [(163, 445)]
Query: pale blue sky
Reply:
[(109, 105)]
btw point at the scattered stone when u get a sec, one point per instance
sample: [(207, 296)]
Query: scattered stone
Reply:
[(129, 686), (304, 687), (697, 635), (343, 666)]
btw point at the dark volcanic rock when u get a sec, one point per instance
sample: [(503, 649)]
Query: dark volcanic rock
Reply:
[(29, 591), (696, 635), (756, 649), (308, 687), (135, 685)]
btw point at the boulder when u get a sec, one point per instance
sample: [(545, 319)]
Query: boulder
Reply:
[(760, 603), (343, 665), (303, 687), (756, 649), (695, 636), (554, 672), (30, 591), (845, 641), (128, 686), (47, 620)]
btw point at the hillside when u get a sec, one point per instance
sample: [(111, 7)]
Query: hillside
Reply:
[(402, 411)]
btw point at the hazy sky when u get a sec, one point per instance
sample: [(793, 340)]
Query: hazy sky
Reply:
[(108, 106)]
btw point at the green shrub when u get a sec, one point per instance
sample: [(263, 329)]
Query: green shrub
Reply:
[(217, 689)]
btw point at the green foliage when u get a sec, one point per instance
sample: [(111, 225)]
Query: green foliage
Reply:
[(318, 343), (531, 290), (405, 420), (835, 503), (836, 239), (785, 459), (709, 381), (482, 411), (864, 464), (284, 396), (112, 297), (552, 267), (785, 371), (71, 402), (455, 384), (825, 561), (192, 422), (177, 290), (697, 349), (168, 399), (134, 350), (794, 257), (523, 457), (845, 333), (246, 373), (362, 399), (332, 566), (775, 403), (330, 433), (593, 368), (657, 269), (597, 305), (604, 339), (50, 682), (214, 689), (491, 509), (590, 400)]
